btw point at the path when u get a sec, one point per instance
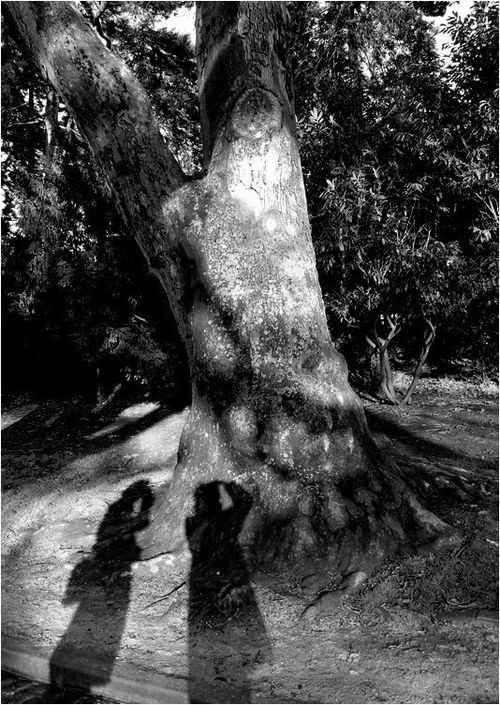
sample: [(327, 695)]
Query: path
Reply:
[(388, 645)]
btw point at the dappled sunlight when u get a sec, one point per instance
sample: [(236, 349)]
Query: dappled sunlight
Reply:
[(256, 546), (247, 197), (157, 442), (129, 415), (9, 418), (153, 450), (439, 433), (85, 486)]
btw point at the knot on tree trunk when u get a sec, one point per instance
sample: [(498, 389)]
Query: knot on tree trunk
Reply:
[(257, 113)]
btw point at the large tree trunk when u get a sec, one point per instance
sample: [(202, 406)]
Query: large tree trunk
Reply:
[(273, 423)]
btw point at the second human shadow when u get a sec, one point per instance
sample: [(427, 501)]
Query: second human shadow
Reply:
[(100, 585), (227, 636)]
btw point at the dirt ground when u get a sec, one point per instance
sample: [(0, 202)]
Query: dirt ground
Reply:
[(424, 629)]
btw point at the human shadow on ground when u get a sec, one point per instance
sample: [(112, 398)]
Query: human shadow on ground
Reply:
[(227, 636), (100, 585)]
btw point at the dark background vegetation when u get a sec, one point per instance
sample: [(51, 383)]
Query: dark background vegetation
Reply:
[(399, 151)]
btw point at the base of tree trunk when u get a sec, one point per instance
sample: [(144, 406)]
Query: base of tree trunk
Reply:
[(330, 534)]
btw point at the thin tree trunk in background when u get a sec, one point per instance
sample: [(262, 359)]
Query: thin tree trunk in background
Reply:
[(272, 410), (428, 340), (387, 382)]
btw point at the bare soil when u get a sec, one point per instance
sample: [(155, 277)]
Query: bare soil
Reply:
[(424, 629)]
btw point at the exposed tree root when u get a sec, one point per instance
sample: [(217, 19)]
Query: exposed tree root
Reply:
[(304, 501), (423, 532), (332, 540), (430, 477), (360, 521)]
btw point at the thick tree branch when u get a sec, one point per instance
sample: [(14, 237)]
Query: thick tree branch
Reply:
[(114, 115), (108, 103), (239, 48)]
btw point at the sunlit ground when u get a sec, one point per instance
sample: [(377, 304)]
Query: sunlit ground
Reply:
[(381, 648)]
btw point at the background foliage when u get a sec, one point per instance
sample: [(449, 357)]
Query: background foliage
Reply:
[(76, 296), (400, 159)]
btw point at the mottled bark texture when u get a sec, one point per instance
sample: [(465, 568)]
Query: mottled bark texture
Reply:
[(272, 410)]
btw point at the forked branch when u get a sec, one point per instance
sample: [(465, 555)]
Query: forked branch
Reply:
[(429, 338), (381, 345)]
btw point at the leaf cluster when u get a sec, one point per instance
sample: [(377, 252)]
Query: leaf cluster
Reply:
[(400, 160)]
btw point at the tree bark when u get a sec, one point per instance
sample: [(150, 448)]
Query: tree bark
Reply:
[(272, 410), (426, 346), (386, 379)]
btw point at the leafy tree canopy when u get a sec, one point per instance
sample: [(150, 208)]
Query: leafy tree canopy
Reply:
[(400, 160)]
